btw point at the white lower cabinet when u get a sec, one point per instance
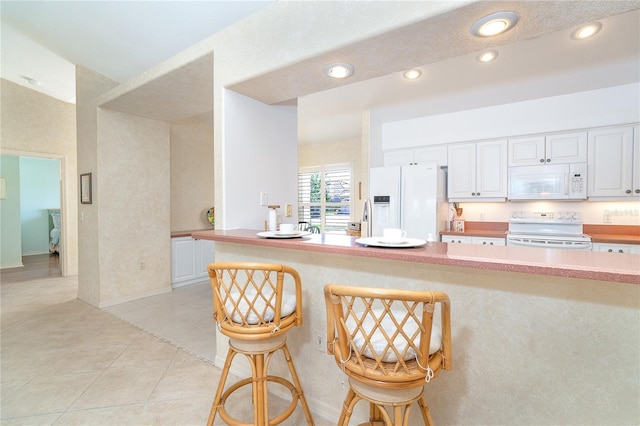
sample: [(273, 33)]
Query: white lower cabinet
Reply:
[(487, 241), (189, 260), (456, 239), (616, 248)]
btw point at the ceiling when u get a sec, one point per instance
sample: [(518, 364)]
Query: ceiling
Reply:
[(121, 40)]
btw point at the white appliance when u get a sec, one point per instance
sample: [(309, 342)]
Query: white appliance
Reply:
[(408, 197), (548, 230), (549, 182)]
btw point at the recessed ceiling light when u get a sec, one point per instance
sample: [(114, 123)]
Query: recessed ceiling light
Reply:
[(412, 74), (586, 31), (494, 24), (32, 80), (487, 56), (338, 70)]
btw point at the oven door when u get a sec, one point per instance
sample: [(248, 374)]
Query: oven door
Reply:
[(541, 242)]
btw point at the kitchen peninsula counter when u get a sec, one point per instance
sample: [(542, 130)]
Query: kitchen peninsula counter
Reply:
[(562, 263), (544, 313)]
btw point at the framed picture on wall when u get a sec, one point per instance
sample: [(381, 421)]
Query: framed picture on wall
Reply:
[(85, 188)]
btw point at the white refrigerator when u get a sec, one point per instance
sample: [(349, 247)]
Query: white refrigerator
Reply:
[(409, 197)]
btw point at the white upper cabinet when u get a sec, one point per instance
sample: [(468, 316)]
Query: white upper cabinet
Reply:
[(478, 171), (614, 162), (434, 154), (557, 148)]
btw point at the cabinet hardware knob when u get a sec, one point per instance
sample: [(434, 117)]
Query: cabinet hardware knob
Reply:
[(542, 160), (484, 243), (548, 160), (610, 250), (628, 191), (637, 191), (473, 194), (620, 251), (478, 194)]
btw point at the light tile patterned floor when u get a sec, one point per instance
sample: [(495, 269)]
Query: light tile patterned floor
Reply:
[(65, 362)]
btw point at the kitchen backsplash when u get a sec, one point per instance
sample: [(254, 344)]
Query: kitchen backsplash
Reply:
[(612, 213)]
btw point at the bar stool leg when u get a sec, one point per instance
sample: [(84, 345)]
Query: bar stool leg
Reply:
[(426, 413), (347, 407), (296, 382), (223, 379)]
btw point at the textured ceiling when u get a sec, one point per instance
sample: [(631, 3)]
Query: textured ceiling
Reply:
[(436, 39)]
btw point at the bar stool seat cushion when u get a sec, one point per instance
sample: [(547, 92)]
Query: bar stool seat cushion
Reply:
[(243, 308), (378, 341)]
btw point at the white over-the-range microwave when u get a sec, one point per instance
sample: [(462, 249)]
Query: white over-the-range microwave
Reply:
[(548, 182)]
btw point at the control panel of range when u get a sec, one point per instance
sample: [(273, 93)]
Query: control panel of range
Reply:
[(542, 217)]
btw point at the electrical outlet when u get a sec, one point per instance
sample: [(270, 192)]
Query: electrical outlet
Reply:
[(320, 343), (288, 211), (264, 199)]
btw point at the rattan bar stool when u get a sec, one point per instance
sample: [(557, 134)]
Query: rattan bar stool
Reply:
[(385, 342), (255, 305)]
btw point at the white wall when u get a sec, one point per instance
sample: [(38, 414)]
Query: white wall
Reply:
[(260, 151), (610, 106)]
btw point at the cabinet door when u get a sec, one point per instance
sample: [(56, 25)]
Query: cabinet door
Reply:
[(455, 239), (182, 255), (205, 254), (566, 148), (491, 169), (610, 162), (436, 154), (615, 248), (400, 157), (527, 151), (489, 241), (461, 177)]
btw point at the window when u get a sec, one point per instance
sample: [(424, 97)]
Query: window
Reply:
[(324, 197)]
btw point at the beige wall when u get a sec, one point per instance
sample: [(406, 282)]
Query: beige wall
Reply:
[(338, 152), (39, 125), (125, 238), (133, 181), (89, 85), (191, 175)]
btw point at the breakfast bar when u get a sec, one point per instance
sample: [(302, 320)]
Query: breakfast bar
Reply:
[(539, 336)]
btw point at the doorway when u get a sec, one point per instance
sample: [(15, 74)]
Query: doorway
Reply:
[(32, 215)]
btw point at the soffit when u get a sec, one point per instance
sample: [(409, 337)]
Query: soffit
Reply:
[(429, 41)]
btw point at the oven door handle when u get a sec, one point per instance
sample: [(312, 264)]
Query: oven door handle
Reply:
[(531, 242), (526, 242)]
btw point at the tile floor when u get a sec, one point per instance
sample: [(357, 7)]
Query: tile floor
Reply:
[(147, 362)]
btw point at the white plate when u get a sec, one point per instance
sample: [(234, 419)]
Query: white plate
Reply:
[(379, 242), (272, 234)]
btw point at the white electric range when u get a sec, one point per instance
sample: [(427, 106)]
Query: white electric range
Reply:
[(547, 230)]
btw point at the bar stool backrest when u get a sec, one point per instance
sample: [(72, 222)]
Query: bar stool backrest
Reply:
[(387, 336), (255, 300)]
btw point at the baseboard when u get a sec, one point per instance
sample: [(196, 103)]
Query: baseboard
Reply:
[(136, 296), (17, 265)]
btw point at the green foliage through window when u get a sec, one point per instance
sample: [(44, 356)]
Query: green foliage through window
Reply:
[(324, 197)]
